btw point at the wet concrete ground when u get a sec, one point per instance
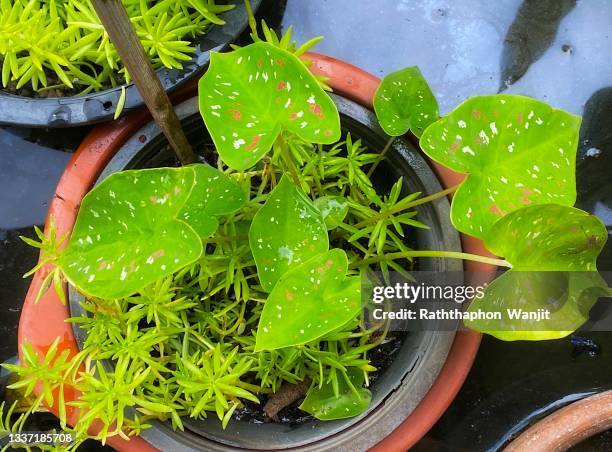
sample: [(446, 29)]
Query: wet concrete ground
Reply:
[(559, 51)]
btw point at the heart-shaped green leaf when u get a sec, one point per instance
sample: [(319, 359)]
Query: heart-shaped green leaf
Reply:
[(309, 301), (127, 233), (553, 250), (248, 96), (333, 209), (214, 193), (563, 300), (404, 101), (517, 151), (138, 226), (286, 231), (548, 237), (324, 404)]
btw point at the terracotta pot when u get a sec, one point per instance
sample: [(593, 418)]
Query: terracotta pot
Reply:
[(43, 322), (568, 426)]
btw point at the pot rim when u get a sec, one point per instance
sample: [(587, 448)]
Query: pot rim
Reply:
[(41, 323), (72, 111)]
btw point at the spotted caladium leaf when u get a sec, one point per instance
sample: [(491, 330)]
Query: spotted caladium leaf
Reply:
[(548, 237), (309, 301), (562, 300), (127, 233), (248, 96), (333, 209), (324, 404), (516, 151), (286, 231), (139, 226), (553, 250), (214, 193), (404, 101)]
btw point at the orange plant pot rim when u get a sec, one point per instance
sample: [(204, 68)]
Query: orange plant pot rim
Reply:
[(41, 323)]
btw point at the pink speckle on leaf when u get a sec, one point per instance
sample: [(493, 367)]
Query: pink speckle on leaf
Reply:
[(526, 192), (327, 266), (236, 114), (525, 200), (293, 116), (254, 142), (327, 133), (519, 118), (316, 109), (281, 86), (260, 63), (496, 210)]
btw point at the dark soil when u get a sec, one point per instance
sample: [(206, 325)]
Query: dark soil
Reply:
[(43, 93)]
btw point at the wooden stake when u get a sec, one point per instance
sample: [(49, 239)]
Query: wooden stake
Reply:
[(122, 34)]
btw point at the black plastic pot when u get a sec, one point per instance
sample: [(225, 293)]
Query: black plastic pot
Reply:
[(419, 355), (97, 107)]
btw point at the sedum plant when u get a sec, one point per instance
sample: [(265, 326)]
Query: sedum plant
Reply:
[(50, 45), (207, 290)]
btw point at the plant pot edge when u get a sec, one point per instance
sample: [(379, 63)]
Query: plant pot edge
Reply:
[(99, 107), (91, 158)]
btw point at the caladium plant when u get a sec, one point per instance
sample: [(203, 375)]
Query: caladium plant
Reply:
[(404, 101), (519, 157), (553, 251), (309, 301), (141, 225), (516, 152), (349, 400), (310, 294), (333, 208), (211, 286), (252, 95), (286, 231)]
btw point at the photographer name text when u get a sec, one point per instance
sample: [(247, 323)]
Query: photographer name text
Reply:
[(457, 314)]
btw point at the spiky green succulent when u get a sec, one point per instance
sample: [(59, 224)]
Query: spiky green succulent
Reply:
[(46, 44)]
